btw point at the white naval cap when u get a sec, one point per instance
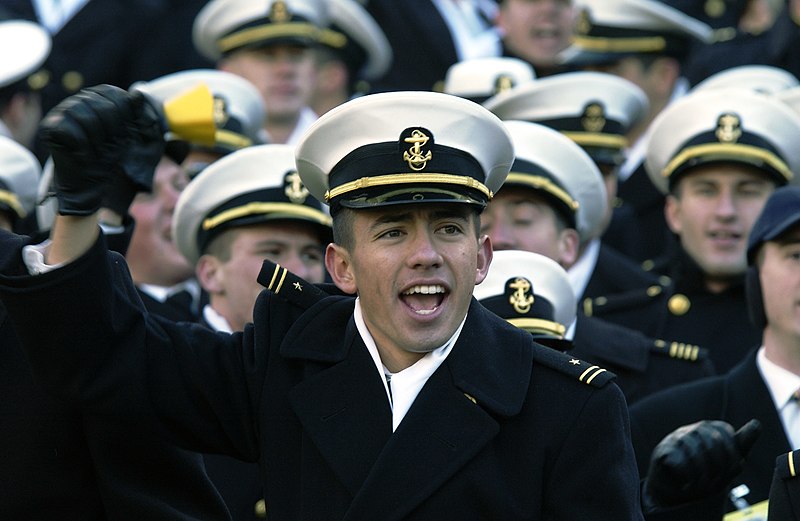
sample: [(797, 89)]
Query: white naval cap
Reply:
[(553, 165), (594, 109), (19, 178), (358, 39), (405, 147), (24, 47), (239, 110), (607, 30), (224, 26), (530, 291), (478, 79), (249, 186), (765, 79), (790, 97), (724, 125)]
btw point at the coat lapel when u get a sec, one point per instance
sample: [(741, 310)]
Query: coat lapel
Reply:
[(747, 397), (344, 409)]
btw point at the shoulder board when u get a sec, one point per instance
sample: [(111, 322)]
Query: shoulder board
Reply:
[(788, 465), (597, 306), (289, 286), (679, 350), (582, 371)]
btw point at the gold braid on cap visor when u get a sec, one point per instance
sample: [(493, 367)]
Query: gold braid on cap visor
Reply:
[(12, 201), (597, 139), (729, 151), (408, 178), (538, 325), (634, 44), (542, 183), (255, 208), (268, 31)]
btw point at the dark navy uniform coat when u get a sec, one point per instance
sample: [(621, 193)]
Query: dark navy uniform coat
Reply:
[(784, 494), (503, 429), (736, 397)]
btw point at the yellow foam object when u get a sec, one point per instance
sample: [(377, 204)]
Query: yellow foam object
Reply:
[(190, 115)]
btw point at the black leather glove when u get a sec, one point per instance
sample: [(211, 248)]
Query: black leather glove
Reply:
[(696, 461), (144, 148), (86, 134)]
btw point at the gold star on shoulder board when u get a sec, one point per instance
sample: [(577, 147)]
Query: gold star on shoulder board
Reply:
[(575, 361), (298, 286)]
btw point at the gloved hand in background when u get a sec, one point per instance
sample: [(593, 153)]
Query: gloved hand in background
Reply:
[(105, 144), (695, 462)]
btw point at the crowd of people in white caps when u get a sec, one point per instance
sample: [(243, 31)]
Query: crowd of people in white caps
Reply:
[(382, 260)]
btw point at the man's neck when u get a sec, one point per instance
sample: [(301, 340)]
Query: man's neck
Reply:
[(782, 350), (280, 130)]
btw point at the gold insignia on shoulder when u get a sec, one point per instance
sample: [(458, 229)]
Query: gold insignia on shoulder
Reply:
[(714, 8), (583, 24), (575, 361), (652, 291), (298, 286), (594, 117), (679, 304), (279, 12), (416, 157), (294, 189), (729, 128), (471, 398), (39, 79), (220, 109), (522, 296), (260, 509), (502, 83), (590, 374)]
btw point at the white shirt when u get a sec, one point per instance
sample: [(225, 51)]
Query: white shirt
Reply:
[(215, 320), (307, 118), (473, 36), (54, 14), (781, 384), (580, 272), (405, 385)]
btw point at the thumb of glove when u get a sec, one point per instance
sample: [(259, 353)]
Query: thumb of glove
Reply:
[(747, 435)]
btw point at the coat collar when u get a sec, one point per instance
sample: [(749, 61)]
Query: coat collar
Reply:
[(342, 406)]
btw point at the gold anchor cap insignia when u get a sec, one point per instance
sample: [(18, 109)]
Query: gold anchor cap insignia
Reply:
[(594, 117), (279, 12), (221, 115), (502, 83), (522, 295), (294, 188), (583, 24), (729, 128), (417, 157)]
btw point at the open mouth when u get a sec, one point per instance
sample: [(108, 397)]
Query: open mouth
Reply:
[(424, 299)]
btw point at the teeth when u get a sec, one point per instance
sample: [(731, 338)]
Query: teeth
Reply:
[(425, 290)]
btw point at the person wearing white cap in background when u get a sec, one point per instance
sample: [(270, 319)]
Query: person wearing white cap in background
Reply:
[(553, 197), (24, 46), (646, 42), (595, 110), (429, 37), (536, 31), (354, 407), (271, 44), (764, 385), (481, 78), (238, 114), (765, 79), (353, 52), (532, 292), (55, 463), (247, 207), (716, 155)]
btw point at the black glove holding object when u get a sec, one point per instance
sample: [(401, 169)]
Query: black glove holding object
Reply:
[(696, 461)]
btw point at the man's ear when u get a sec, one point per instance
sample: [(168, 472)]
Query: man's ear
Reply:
[(672, 212), (209, 274), (485, 255), (340, 268), (568, 247)]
